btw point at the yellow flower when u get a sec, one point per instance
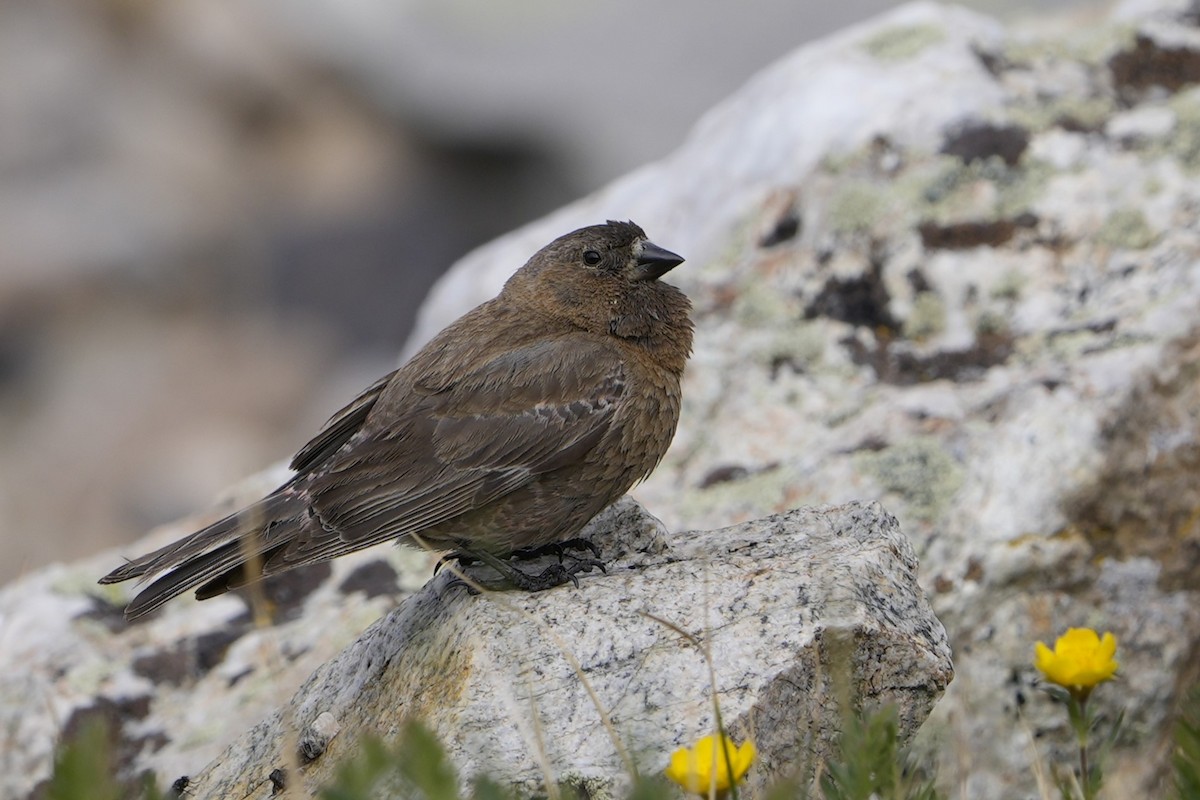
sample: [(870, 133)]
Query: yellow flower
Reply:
[(693, 769), (1079, 661)]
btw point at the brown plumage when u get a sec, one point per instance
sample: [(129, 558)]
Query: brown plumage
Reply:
[(511, 429)]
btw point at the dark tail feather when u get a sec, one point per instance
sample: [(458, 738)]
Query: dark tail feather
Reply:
[(189, 574), (222, 547), (229, 566), (244, 573), (255, 518)]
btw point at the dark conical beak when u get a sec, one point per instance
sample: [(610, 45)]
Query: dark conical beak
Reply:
[(654, 262)]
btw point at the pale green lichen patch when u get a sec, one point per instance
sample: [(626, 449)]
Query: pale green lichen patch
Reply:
[(1008, 285), (904, 42), (920, 471), (1184, 141), (760, 492), (928, 317), (79, 583), (801, 346), (762, 304), (1080, 113), (991, 323), (87, 678), (1090, 46), (856, 208), (1126, 228), (948, 191)]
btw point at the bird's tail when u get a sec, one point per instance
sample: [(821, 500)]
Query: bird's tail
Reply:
[(226, 554)]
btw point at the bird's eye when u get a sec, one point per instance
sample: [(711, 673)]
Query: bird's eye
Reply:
[(591, 258)]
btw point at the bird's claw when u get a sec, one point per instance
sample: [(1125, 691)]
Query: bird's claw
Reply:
[(555, 548), (555, 575), (463, 559)]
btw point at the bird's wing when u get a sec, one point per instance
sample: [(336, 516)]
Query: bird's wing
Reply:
[(462, 445), (340, 427)]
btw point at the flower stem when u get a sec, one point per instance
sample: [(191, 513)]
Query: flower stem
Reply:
[(1081, 731)]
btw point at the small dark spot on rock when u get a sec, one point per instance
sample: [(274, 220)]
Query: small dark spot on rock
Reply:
[(861, 301), (190, 659), (110, 615), (974, 570), (172, 666), (994, 61), (235, 679), (210, 648), (1026, 219), (1149, 63), (965, 235), (784, 360), (724, 474), (903, 367), (917, 281), (977, 141), (286, 592), (374, 579), (278, 779), (870, 444), (1074, 123), (129, 708), (786, 228), (886, 158), (180, 785)]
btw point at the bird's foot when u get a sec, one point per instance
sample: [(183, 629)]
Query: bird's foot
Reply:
[(554, 575), (551, 576), (556, 549)]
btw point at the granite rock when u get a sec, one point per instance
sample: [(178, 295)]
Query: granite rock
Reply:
[(794, 611)]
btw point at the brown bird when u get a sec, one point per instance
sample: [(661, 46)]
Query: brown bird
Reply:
[(509, 431)]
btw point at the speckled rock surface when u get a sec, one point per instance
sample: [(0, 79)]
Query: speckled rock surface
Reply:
[(492, 676), (787, 605), (955, 268)]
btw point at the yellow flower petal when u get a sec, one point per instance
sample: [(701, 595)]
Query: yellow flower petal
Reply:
[(1080, 660), (693, 769)]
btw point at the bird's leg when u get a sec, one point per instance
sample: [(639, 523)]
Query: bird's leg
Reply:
[(463, 559), (553, 575)]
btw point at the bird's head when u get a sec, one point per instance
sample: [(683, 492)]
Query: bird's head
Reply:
[(598, 276)]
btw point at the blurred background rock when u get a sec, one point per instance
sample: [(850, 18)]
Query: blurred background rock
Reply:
[(218, 217)]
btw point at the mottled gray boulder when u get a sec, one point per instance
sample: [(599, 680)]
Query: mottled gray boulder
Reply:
[(796, 609), (956, 269), (495, 676)]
